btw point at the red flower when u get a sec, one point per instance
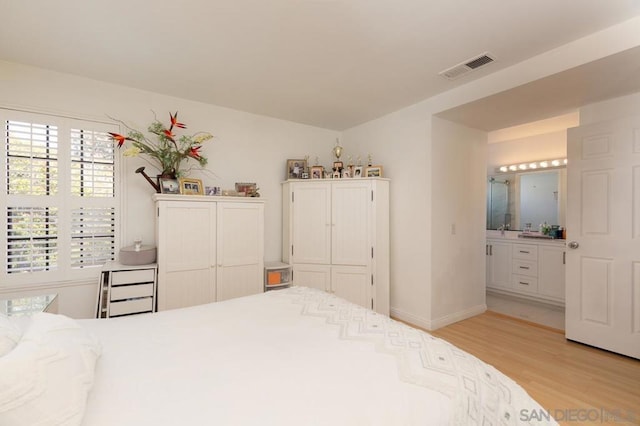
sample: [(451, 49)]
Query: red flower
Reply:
[(169, 135), (193, 152), (119, 138), (174, 122)]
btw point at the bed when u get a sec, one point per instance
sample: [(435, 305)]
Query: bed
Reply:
[(296, 356)]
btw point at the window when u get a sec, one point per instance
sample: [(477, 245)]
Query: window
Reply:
[(59, 195)]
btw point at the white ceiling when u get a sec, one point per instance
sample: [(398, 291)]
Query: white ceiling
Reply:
[(328, 63)]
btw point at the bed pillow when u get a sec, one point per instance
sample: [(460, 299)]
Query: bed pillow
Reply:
[(10, 335), (46, 378)]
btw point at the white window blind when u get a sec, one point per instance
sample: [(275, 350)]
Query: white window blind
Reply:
[(61, 198)]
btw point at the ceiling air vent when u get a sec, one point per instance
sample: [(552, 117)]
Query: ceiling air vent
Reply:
[(467, 66)]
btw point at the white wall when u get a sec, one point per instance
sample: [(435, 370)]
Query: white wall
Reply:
[(246, 148), (458, 219), (610, 110), (531, 148)]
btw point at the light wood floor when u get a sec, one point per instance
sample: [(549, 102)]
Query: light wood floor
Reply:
[(559, 374)]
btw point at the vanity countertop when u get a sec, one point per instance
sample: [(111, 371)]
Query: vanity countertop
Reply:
[(516, 236)]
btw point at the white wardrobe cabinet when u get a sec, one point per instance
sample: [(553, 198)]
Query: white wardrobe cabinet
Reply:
[(209, 249), (336, 237)]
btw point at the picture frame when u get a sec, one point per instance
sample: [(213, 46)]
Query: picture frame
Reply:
[(346, 173), (169, 186), (317, 172), (338, 165), (373, 171), (295, 168), (357, 172), (247, 188), (191, 186)]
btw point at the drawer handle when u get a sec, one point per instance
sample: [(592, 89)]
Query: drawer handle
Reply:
[(522, 251), (524, 267), (524, 283)]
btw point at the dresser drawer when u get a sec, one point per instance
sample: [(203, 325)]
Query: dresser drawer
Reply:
[(525, 283), (525, 252), (131, 291), (132, 277), (133, 306), (525, 267)]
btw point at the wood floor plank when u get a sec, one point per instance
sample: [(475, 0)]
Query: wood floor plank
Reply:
[(566, 378)]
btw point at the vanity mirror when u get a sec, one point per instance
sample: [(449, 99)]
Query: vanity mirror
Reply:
[(534, 197)]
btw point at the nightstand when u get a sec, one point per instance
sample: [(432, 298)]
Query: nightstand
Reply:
[(126, 290)]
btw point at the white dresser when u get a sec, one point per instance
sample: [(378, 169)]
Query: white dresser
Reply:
[(336, 237), (529, 268), (126, 290)]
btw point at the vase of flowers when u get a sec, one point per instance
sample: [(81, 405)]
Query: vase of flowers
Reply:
[(168, 151)]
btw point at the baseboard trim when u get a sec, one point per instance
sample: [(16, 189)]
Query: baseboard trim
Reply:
[(410, 318), (458, 316)]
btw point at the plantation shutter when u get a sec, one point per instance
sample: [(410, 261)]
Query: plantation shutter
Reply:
[(60, 196)]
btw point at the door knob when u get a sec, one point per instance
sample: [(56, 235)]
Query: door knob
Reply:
[(573, 245)]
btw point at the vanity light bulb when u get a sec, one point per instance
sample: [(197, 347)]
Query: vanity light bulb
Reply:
[(565, 161), (544, 164), (555, 163), (504, 168), (522, 167), (533, 166), (513, 168)]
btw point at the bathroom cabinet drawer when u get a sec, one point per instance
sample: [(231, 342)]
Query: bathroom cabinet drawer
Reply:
[(525, 252), (131, 291), (525, 267), (134, 306), (525, 283), (130, 277)]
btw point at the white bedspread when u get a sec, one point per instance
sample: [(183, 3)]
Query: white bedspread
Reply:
[(291, 357)]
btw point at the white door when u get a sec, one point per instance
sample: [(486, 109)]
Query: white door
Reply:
[(603, 234), (240, 249), (351, 204), (311, 217), (186, 241)]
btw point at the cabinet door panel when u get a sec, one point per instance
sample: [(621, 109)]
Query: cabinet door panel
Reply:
[(186, 235), (551, 273), (186, 288), (499, 265), (314, 276), (351, 202), (352, 283), (238, 281), (311, 215), (240, 246)]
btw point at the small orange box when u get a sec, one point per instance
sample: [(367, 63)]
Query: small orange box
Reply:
[(274, 277)]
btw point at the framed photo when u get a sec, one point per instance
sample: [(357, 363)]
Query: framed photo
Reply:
[(295, 168), (191, 186), (212, 190), (338, 164), (373, 171), (357, 172), (346, 173), (336, 175), (247, 188), (169, 186), (317, 172)]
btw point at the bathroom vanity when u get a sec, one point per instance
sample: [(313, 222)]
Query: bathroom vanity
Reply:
[(526, 267)]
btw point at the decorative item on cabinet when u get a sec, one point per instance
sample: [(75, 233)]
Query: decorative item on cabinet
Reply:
[(167, 152), (191, 186), (295, 168)]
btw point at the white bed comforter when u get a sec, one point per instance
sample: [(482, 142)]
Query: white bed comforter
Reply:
[(291, 357)]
